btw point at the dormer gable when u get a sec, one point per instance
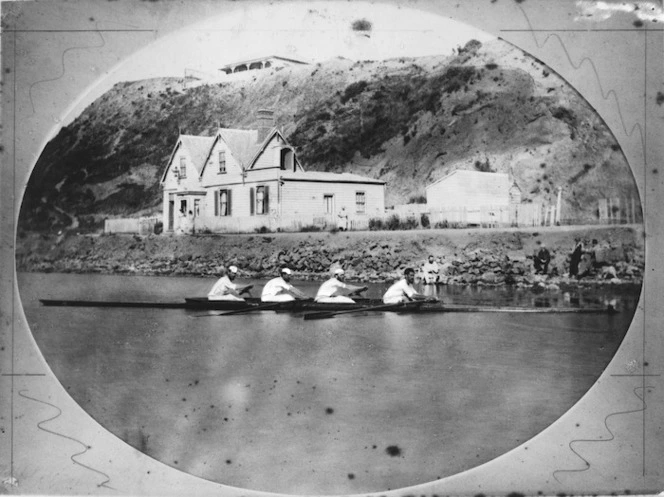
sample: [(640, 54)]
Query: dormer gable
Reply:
[(191, 152)]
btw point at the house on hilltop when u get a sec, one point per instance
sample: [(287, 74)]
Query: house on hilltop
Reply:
[(269, 61), (243, 180)]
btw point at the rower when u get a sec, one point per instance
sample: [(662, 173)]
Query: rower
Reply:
[(335, 290), (280, 290), (225, 289), (403, 291)]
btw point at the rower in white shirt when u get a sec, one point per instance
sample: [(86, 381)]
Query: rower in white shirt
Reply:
[(225, 289), (403, 291), (280, 290), (335, 290)]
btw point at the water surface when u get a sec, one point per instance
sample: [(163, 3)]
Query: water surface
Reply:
[(353, 404)]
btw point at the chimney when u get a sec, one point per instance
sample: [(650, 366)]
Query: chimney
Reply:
[(265, 123)]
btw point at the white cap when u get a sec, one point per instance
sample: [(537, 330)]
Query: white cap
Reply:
[(232, 269), (286, 270), (338, 271)]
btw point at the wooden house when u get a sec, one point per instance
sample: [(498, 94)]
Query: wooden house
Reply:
[(244, 180)]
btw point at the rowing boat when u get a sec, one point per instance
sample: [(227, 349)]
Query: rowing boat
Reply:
[(202, 303)]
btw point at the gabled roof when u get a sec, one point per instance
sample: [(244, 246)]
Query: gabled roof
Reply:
[(198, 148), (329, 177), (484, 180), (241, 142), (268, 138)]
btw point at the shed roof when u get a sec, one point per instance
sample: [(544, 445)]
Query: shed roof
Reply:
[(478, 179)]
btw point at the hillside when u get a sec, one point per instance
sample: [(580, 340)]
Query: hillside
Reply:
[(405, 121)]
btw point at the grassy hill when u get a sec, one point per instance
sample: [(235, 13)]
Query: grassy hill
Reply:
[(405, 121)]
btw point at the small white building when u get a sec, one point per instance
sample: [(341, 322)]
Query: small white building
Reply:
[(266, 62), (472, 197), (243, 180)]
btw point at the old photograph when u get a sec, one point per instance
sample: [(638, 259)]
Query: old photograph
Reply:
[(331, 248)]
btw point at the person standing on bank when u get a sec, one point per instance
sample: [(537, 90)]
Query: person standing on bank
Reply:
[(225, 289), (403, 291), (575, 258), (335, 290), (280, 290)]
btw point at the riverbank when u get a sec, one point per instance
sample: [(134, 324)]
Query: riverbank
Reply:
[(470, 256)]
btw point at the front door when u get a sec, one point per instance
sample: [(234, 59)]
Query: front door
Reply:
[(171, 210)]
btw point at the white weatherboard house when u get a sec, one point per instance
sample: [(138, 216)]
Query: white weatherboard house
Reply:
[(472, 197), (244, 180)]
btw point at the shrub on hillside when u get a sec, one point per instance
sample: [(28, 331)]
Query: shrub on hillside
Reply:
[(424, 221)]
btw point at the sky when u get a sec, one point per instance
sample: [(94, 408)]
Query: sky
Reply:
[(311, 32)]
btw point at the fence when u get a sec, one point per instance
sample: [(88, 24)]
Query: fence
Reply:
[(248, 224), (139, 225), (494, 216), (619, 210)]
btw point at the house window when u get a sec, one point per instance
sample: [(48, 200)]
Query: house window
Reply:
[(328, 202), (183, 167), (259, 200), (222, 203), (183, 207), (360, 202), (197, 207), (222, 161)]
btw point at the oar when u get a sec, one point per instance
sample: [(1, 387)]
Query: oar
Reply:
[(262, 307), (244, 310), (330, 314)]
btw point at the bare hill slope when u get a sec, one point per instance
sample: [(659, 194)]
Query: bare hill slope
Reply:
[(406, 121)]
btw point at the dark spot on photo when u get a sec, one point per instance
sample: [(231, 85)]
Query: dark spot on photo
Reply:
[(351, 476), (329, 410), (361, 25), (638, 23), (393, 450), (660, 98), (184, 399), (228, 461)]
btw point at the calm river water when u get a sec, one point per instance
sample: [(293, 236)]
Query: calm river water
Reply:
[(352, 404)]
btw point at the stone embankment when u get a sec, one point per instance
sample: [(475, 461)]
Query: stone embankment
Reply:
[(468, 257)]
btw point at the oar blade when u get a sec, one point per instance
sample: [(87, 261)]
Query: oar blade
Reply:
[(319, 315)]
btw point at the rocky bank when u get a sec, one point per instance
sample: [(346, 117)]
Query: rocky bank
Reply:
[(470, 257)]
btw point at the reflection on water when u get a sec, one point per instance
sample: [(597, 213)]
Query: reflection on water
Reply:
[(353, 404)]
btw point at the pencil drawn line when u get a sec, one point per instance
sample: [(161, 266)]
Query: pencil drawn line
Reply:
[(73, 456), (605, 94), (63, 69), (592, 440)]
